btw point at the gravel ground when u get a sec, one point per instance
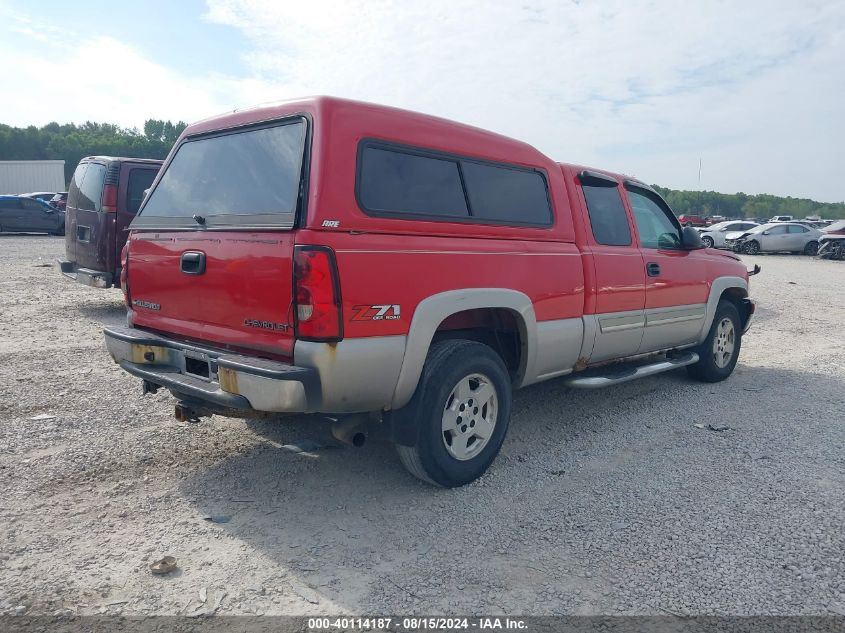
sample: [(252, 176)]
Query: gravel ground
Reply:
[(601, 502)]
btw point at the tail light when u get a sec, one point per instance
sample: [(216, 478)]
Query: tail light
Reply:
[(124, 274), (110, 189), (316, 291), (110, 198)]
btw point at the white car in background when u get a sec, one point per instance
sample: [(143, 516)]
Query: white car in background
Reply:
[(714, 236), (774, 237)]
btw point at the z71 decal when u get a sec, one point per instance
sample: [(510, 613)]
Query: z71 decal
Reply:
[(376, 313)]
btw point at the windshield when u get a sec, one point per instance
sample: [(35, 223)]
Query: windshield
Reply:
[(245, 178)]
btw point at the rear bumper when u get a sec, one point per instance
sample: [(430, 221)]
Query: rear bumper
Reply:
[(87, 276), (231, 381)]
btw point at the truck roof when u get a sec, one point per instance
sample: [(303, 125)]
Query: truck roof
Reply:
[(392, 122)]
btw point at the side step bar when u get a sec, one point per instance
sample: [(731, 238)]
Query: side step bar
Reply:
[(615, 376)]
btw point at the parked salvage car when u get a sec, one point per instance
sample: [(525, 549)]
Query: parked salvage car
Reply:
[(59, 200), (345, 258), (687, 219), (714, 236), (832, 241), (775, 237), (30, 215), (104, 195)]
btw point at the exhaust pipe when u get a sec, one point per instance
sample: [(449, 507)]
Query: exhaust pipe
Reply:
[(350, 430)]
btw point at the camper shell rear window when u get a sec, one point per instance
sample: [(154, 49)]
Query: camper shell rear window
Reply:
[(243, 178)]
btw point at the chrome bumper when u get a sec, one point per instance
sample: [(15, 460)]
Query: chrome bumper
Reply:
[(87, 276), (218, 378)]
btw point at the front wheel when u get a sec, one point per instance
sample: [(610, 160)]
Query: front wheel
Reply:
[(751, 248), (461, 410), (720, 350), (707, 241)]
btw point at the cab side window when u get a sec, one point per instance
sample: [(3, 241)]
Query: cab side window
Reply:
[(608, 219), (655, 227)]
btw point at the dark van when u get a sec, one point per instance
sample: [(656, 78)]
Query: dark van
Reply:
[(103, 198)]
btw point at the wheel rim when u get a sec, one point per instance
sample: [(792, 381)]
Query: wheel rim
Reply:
[(708, 243), (724, 343), (752, 248), (469, 417)]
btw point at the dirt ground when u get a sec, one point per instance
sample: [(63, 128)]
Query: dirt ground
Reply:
[(615, 501)]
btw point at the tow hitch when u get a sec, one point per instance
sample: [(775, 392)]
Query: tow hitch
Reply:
[(186, 413)]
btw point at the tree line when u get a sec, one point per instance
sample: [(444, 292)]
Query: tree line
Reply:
[(741, 205), (72, 142)]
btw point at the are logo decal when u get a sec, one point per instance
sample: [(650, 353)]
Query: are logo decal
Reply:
[(146, 304), (386, 312), (266, 325), (331, 224)]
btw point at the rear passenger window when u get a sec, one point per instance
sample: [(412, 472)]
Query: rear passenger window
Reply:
[(139, 180), (506, 195), (75, 183), (91, 189), (395, 182), (607, 213), (797, 228), (420, 183)]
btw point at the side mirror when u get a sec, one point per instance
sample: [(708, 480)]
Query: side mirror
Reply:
[(691, 239)]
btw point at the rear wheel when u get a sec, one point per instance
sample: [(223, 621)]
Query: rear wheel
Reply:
[(751, 248), (461, 410), (811, 248), (720, 350)]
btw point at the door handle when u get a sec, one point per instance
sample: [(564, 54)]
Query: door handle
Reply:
[(653, 269), (192, 263)]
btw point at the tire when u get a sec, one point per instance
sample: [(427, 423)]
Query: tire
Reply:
[(707, 241), (725, 334), (751, 248), (811, 248), (457, 373), (59, 231)]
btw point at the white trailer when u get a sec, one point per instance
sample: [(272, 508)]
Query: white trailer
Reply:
[(24, 176)]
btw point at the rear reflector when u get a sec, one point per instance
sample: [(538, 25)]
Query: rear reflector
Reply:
[(110, 198), (316, 294)]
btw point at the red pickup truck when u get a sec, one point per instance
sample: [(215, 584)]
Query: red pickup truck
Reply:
[(330, 256)]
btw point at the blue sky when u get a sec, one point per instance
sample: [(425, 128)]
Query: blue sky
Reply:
[(754, 89), (170, 33)]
